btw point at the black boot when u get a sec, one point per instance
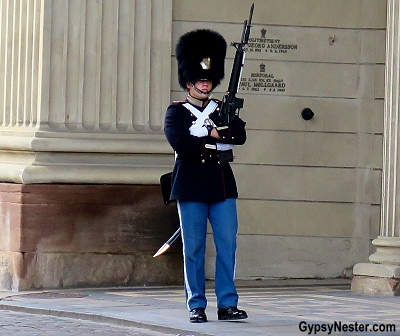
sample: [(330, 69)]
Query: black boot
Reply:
[(231, 314), (198, 315)]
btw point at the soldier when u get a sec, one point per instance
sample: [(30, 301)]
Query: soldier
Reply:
[(203, 183)]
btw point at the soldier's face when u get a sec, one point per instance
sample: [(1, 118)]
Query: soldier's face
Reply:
[(200, 89)]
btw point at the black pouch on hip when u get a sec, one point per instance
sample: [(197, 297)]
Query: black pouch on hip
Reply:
[(166, 185)]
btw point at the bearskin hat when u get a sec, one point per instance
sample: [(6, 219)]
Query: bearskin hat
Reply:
[(201, 55)]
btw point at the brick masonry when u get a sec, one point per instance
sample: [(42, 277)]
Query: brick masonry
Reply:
[(55, 236)]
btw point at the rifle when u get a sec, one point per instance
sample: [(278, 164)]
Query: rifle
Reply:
[(230, 103)]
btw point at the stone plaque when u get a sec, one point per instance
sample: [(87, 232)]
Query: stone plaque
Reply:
[(262, 81)]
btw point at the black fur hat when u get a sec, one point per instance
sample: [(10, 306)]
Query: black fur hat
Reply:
[(201, 55)]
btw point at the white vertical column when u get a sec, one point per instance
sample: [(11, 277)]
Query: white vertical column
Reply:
[(390, 177), (382, 274), (108, 64)]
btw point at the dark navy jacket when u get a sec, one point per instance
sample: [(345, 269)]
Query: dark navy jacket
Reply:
[(198, 173)]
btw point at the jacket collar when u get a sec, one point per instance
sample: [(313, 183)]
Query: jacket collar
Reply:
[(197, 102)]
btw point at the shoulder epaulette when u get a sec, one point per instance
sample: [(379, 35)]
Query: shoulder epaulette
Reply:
[(179, 102)]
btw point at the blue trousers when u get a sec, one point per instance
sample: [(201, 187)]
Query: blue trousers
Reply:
[(193, 220)]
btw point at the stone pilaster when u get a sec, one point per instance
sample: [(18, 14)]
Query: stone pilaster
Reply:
[(382, 275), (84, 85)]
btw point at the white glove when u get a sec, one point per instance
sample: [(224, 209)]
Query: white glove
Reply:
[(198, 131), (224, 146)]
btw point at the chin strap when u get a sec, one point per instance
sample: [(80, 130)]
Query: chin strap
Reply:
[(206, 94)]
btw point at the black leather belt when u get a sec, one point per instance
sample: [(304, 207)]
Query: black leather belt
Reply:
[(222, 156)]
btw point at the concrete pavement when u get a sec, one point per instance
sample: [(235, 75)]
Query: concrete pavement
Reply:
[(275, 307), (26, 324)]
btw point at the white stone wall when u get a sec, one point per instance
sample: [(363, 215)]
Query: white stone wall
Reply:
[(309, 190), (84, 85)]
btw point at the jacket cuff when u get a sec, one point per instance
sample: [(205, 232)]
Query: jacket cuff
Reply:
[(225, 133)]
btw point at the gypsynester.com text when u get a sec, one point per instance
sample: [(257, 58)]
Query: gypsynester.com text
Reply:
[(337, 326)]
